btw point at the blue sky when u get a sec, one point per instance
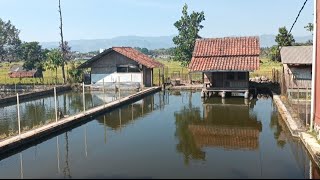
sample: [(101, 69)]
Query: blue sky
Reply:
[(38, 20)]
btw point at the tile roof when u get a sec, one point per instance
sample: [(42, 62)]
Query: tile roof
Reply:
[(231, 53), (138, 56), (130, 53), (296, 55)]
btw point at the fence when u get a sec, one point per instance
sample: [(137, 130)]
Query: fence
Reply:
[(176, 76), (295, 91)]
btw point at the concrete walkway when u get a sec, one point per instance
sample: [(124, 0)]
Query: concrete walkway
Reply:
[(310, 142), (24, 138)]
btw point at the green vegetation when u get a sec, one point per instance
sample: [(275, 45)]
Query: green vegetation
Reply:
[(188, 27), (48, 75), (266, 66)]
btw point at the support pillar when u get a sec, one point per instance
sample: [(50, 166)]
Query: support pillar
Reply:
[(246, 95), (223, 94)]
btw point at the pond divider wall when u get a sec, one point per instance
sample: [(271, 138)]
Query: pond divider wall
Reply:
[(32, 95), (19, 141)]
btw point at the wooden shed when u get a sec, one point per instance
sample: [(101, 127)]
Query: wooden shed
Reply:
[(225, 63), (121, 67), (297, 67)]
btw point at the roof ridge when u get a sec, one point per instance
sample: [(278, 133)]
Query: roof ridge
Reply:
[(228, 37)]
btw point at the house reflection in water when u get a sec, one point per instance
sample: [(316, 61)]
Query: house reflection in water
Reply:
[(125, 115), (224, 124)]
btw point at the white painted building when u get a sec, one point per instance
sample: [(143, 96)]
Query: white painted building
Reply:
[(122, 67)]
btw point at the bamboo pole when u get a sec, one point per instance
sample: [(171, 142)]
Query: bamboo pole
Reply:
[(83, 98), (55, 103), (18, 109)]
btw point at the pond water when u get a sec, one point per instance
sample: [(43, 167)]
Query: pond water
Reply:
[(172, 134)]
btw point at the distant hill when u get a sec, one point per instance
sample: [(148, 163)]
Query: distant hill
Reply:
[(132, 41), (267, 40), (144, 42)]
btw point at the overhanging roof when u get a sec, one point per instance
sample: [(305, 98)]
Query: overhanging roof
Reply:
[(128, 52), (296, 54), (226, 54)]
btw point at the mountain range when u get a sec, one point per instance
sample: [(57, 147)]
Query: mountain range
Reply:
[(88, 45)]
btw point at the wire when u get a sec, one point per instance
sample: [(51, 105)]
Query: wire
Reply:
[(295, 20), (297, 16)]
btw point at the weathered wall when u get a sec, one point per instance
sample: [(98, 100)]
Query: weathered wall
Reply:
[(219, 79), (105, 69), (298, 72)]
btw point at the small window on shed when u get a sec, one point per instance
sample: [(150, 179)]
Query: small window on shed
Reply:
[(121, 69), (133, 69), (127, 69), (230, 76)]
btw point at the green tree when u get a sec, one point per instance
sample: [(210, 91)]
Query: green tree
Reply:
[(9, 40), (309, 27), (188, 27), (75, 73), (33, 56), (54, 61), (274, 53), (284, 38)]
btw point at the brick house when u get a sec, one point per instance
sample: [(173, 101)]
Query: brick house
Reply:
[(225, 63)]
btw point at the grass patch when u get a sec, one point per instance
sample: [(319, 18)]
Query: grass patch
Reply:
[(266, 66), (48, 76)]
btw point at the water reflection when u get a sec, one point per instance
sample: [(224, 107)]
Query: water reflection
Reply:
[(125, 115), (226, 124), (37, 112), (231, 138)]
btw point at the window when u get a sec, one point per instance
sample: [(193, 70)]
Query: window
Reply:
[(122, 69), (241, 76), (127, 69), (230, 76), (133, 69)]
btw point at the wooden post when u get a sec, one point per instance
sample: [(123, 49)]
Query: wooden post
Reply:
[(163, 83), (83, 96), (55, 103), (306, 105), (18, 109), (21, 166), (58, 154), (105, 129), (119, 87), (103, 84), (159, 77)]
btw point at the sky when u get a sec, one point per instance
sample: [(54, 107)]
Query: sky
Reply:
[(38, 20)]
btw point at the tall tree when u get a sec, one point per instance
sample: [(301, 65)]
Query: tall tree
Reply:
[(284, 38), (54, 61), (188, 27), (62, 46), (33, 56), (9, 40)]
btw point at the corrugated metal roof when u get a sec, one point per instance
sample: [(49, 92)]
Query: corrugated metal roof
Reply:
[(296, 55)]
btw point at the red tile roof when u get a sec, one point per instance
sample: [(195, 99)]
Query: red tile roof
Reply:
[(138, 56), (232, 53), (130, 53)]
